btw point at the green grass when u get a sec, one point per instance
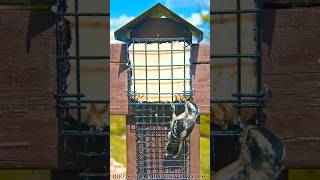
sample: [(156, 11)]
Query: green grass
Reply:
[(117, 142), (118, 149), (205, 126), (205, 146), (118, 125), (205, 158)]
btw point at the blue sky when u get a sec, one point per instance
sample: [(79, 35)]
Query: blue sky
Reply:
[(122, 11)]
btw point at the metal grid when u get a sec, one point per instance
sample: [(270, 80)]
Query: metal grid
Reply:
[(243, 99), (153, 119), (95, 144)]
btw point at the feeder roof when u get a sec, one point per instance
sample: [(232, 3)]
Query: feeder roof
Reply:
[(157, 11)]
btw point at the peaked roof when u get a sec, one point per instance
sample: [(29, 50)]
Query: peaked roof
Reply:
[(157, 11)]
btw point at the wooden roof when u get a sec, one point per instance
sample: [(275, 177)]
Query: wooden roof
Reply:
[(157, 11)]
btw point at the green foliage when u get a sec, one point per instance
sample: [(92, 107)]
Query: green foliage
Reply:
[(206, 18)]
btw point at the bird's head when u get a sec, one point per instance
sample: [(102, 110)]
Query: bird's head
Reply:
[(191, 108)]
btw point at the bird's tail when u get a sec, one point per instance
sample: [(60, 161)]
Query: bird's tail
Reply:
[(173, 148)]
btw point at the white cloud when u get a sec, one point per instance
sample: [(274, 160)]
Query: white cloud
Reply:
[(116, 23), (205, 12), (167, 3), (180, 3), (195, 18)]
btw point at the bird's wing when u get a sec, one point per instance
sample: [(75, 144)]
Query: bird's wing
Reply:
[(177, 128)]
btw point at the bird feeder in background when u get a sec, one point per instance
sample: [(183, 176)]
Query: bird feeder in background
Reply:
[(159, 51)]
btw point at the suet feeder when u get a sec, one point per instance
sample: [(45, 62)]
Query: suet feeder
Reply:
[(159, 58)]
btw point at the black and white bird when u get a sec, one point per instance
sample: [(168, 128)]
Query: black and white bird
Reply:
[(180, 128), (261, 157)]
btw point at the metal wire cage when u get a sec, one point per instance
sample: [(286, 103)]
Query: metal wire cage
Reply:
[(91, 146), (153, 112), (225, 140)]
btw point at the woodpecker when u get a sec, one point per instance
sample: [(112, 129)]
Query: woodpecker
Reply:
[(180, 128), (261, 157)]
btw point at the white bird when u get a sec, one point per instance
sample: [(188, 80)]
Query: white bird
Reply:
[(180, 128)]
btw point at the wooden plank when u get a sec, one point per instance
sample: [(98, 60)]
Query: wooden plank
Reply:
[(230, 4), (291, 68), (290, 3), (119, 88), (28, 128), (24, 2), (92, 6), (201, 53), (201, 86), (195, 151), (131, 147), (84, 6), (118, 53)]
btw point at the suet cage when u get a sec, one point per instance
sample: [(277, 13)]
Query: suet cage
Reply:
[(91, 146), (159, 51), (225, 140)]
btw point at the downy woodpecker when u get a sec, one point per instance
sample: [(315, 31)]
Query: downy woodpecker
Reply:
[(180, 128), (261, 157)]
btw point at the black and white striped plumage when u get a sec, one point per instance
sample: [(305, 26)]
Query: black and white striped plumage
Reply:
[(261, 157), (180, 128)]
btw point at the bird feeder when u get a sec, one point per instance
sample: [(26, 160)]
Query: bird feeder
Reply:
[(159, 58)]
